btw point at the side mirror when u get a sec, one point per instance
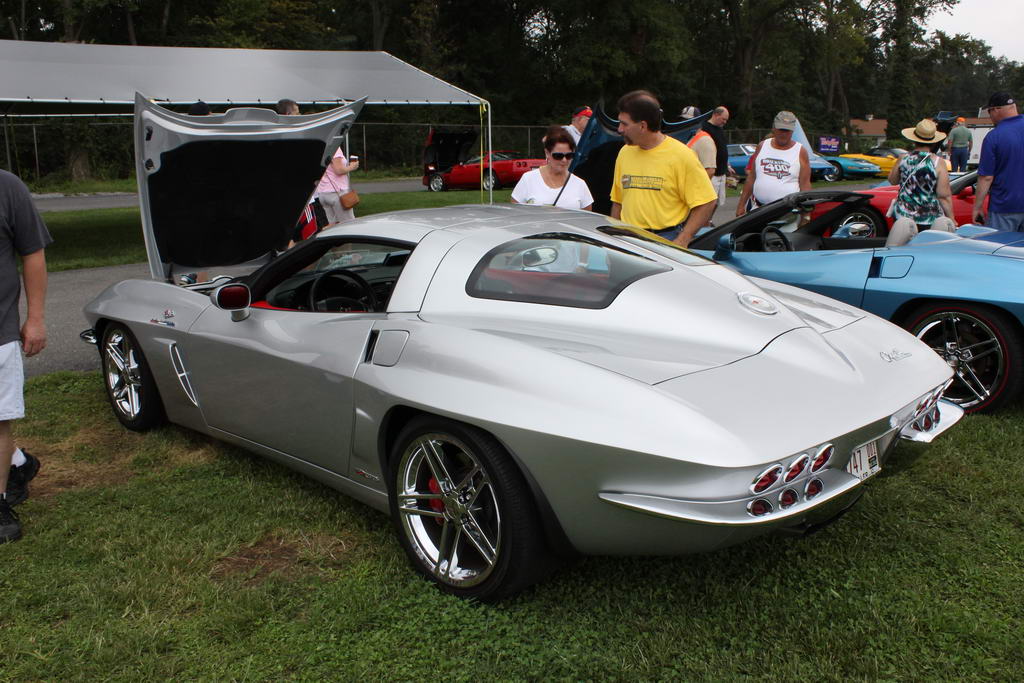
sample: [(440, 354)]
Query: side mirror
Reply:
[(725, 248), (539, 256), (234, 297)]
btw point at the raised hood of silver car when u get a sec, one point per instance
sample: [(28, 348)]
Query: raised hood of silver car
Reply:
[(227, 189)]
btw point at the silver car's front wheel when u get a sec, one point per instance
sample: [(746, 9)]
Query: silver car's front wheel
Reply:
[(130, 385), (463, 512)]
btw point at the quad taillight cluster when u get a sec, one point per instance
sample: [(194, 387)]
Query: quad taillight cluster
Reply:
[(779, 475), (927, 415)]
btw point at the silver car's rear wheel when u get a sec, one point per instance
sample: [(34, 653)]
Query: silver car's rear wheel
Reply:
[(984, 348), (463, 512), (449, 511), (130, 385)]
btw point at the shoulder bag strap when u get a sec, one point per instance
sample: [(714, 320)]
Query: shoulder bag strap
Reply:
[(568, 177)]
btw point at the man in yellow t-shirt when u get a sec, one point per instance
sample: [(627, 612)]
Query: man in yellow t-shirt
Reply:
[(659, 183)]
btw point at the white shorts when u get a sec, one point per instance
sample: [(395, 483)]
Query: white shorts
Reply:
[(718, 182), (12, 382)]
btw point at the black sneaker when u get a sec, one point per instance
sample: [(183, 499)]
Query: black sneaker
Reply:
[(10, 527), (18, 479)]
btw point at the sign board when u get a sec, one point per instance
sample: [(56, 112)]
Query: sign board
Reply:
[(828, 144)]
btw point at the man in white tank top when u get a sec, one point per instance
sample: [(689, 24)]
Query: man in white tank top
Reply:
[(779, 167)]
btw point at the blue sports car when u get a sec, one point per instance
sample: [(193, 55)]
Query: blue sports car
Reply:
[(959, 293), (851, 168), (739, 157)]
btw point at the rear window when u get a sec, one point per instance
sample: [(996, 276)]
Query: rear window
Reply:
[(558, 269)]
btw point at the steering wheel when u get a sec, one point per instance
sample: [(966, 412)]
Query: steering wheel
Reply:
[(777, 242), (366, 299)]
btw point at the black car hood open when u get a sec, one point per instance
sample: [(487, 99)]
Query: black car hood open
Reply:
[(227, 189), (599, 146), (445, 148)]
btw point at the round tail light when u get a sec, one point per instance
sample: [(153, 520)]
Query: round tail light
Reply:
[(823, 456), (766, 479), (813, 488), (787, 498), (759, 507), (796, 469)]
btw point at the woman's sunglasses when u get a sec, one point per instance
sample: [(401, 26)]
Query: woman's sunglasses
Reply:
[(558, 156)]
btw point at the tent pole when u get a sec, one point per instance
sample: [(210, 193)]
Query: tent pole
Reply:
[(35, 146), (7, 145), (490, 150)]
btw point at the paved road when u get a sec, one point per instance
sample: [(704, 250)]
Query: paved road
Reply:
[(67, 293), (116, 200)]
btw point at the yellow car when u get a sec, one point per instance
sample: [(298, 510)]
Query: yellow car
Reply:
[(885, 158)]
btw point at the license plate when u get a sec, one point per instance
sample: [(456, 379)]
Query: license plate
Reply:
[(865, 461)]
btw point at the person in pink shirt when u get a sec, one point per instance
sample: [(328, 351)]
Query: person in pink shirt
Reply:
[(333, 184)]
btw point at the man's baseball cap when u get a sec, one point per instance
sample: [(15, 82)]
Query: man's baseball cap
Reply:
[(1001, 99), (689, 112), (582, 111), (785, 120)]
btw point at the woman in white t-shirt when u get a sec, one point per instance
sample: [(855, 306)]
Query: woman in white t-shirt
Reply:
[(552, 184)]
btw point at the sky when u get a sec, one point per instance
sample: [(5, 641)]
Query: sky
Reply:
[(997, 22)]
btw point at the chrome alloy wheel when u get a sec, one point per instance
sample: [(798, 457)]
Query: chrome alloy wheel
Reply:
[(123, 375), (972, 348), (448, 510), (436, 182), (861, 217)]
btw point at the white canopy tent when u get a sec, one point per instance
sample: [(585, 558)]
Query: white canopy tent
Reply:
[(40, 78)]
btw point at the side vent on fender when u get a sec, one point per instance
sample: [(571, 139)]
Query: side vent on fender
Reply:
[(389, 347), (179, 370), (371, 343)]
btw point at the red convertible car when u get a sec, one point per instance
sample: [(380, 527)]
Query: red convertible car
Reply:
[(961, 187), (446, 166)]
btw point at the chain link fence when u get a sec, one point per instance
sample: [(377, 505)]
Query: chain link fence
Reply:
[(101, 147)]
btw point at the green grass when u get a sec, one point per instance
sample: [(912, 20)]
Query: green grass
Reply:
[(92, 238), (64, 185), (110, 237), (170, 556)]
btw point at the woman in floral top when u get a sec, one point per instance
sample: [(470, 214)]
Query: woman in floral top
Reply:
[(923, 200)]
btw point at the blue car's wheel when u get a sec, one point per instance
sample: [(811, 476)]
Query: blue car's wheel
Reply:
[(984, 346), (463, 512), (836, 173)]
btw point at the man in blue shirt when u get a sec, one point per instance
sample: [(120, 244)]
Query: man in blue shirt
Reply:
[(1001, 168)]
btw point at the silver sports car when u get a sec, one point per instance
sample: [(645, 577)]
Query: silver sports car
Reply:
[(512, 383)]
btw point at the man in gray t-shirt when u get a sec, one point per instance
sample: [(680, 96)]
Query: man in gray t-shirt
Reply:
[(22, 232)]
